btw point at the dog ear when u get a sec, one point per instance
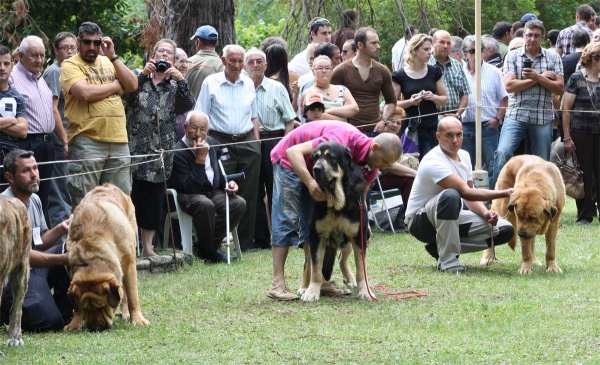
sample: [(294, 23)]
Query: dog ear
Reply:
[(551, 212), (73, 296), (348, 156), (114, 293)]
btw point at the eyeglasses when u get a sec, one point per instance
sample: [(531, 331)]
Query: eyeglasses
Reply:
[(67, 48), (320, 22), (471, 51), (96, 42), (534, 36), (323, 69), (257, 62), (165, 50), (195, 128)]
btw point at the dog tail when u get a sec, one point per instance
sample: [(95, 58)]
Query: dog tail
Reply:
[(328, 262)]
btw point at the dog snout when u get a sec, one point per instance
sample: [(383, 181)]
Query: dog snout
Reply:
[(318, 171), (97, 328), (525, 235)]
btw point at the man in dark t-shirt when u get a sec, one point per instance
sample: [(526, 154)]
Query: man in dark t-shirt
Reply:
[(580, 39), (367, 79)]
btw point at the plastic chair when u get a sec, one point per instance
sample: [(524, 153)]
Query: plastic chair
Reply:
[(186, 227), (382, 195)]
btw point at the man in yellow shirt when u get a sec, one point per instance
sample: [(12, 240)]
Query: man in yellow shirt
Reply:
[(92, 85)]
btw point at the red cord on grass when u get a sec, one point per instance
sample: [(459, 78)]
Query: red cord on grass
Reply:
[(405, 294)]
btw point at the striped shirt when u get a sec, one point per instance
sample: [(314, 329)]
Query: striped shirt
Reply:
[(565, 37), (38, 97), (230, 106), (274, 106), (327, 130), (455, 82), (533, 105), (492, 93)]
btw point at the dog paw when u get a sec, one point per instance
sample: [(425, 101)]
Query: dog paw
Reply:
[(301, 291), (139, 320), (525, 271), (311, 295), (15, 342), (364, 295), (350, 282), (554, 268), (488, 261), (74, 325)]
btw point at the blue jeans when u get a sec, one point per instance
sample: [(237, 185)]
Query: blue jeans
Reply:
[(427, 141), (489, 144), (59, 199), (290, 209), (513, 131)]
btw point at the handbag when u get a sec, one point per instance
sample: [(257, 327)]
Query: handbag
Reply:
[(572, 176)]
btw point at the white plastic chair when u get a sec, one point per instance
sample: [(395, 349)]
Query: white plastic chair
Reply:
[(383, 194), (186, 227)]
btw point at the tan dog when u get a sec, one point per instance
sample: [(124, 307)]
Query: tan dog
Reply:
[(101, 246), (534, 207), (15, 242)]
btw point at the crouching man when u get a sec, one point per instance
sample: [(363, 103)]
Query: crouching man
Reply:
[(435, 214)]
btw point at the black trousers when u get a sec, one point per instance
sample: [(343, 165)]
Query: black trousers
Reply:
[(43, 310), (262, 235), (43, 151)]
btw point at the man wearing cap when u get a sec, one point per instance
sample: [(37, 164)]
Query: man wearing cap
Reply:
[(206, 62), (319, 32), (585, 18), (229, 100), (527, 17), (275, 118)]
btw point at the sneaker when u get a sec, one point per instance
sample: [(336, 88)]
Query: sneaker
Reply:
[(584, 221), (281, 292), (454, 269), (330, 289)]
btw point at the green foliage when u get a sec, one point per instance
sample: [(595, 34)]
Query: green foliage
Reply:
[(252, 35), (46, 18)]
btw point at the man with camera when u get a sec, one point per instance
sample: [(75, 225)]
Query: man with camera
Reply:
[(532, 75), (92, 84), (162, 94)]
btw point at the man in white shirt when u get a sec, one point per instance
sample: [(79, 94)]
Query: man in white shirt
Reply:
[(319, 32), (400, 47), (434, 213), (229, 100)]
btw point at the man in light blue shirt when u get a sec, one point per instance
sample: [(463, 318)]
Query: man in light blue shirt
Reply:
[(229, 99)]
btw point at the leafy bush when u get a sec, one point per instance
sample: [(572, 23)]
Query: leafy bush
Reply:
[(251, 36)]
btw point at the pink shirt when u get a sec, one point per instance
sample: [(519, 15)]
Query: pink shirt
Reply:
[(38, 97), (322, 131)]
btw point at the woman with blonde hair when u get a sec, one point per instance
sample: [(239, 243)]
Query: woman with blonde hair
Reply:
[(581, 125), (420, 89)]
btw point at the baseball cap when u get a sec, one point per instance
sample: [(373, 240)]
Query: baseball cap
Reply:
[(206, 32), (312, 98), (527, 17)]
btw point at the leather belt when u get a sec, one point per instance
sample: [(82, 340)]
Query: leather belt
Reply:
[(231, 137), (365, 128), (278, 133), (42, 136)]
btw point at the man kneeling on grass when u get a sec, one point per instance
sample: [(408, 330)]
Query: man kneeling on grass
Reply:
[(434, 213)]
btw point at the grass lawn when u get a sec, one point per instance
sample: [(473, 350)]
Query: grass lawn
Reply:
[(207, 314)]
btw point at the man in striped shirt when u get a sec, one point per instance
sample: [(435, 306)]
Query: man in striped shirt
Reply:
[(585, 18), (42, 118), (275, 119), (229, 100)]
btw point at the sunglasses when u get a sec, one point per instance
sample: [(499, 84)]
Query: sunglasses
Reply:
[(96, 42), (471, 51)]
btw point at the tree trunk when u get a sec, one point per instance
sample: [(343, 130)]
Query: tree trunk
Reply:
[(183, 17)]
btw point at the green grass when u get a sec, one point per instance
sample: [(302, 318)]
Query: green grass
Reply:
[(489, 315)]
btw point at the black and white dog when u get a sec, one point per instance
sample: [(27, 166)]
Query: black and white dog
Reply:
[(336, 223)]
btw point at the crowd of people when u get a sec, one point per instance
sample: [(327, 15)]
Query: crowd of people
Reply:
[(262, 111)]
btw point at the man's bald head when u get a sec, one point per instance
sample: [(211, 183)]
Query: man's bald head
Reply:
[(389, 142), (441, 33), (446, 122), (196, 116)]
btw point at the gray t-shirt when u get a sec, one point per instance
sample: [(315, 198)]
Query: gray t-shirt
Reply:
[(34, 211), (51, 76)]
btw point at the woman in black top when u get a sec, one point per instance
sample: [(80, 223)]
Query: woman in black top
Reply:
[(416, 77)]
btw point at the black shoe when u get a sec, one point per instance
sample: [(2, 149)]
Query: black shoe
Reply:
[(584, 221), (431, 248), (454, 269), (222, 256)]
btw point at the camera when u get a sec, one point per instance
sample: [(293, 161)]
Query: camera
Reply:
[(161, 66), (527, 63), (420, 94)]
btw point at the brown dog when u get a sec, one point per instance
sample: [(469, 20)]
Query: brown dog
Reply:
[(15, 242), (534, 207), (101, 246)]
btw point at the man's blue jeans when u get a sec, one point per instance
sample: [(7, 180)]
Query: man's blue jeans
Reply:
[(513, 131), (489, 144)]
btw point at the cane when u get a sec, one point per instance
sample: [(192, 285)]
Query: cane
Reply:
[(228, 178)]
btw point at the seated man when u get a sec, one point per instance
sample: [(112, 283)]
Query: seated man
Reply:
[(435, 214), (201, 189), (42, 309)]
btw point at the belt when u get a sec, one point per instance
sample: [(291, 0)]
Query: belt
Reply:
[(232, 137), (278, 133), (42, 136), (365, 128)]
